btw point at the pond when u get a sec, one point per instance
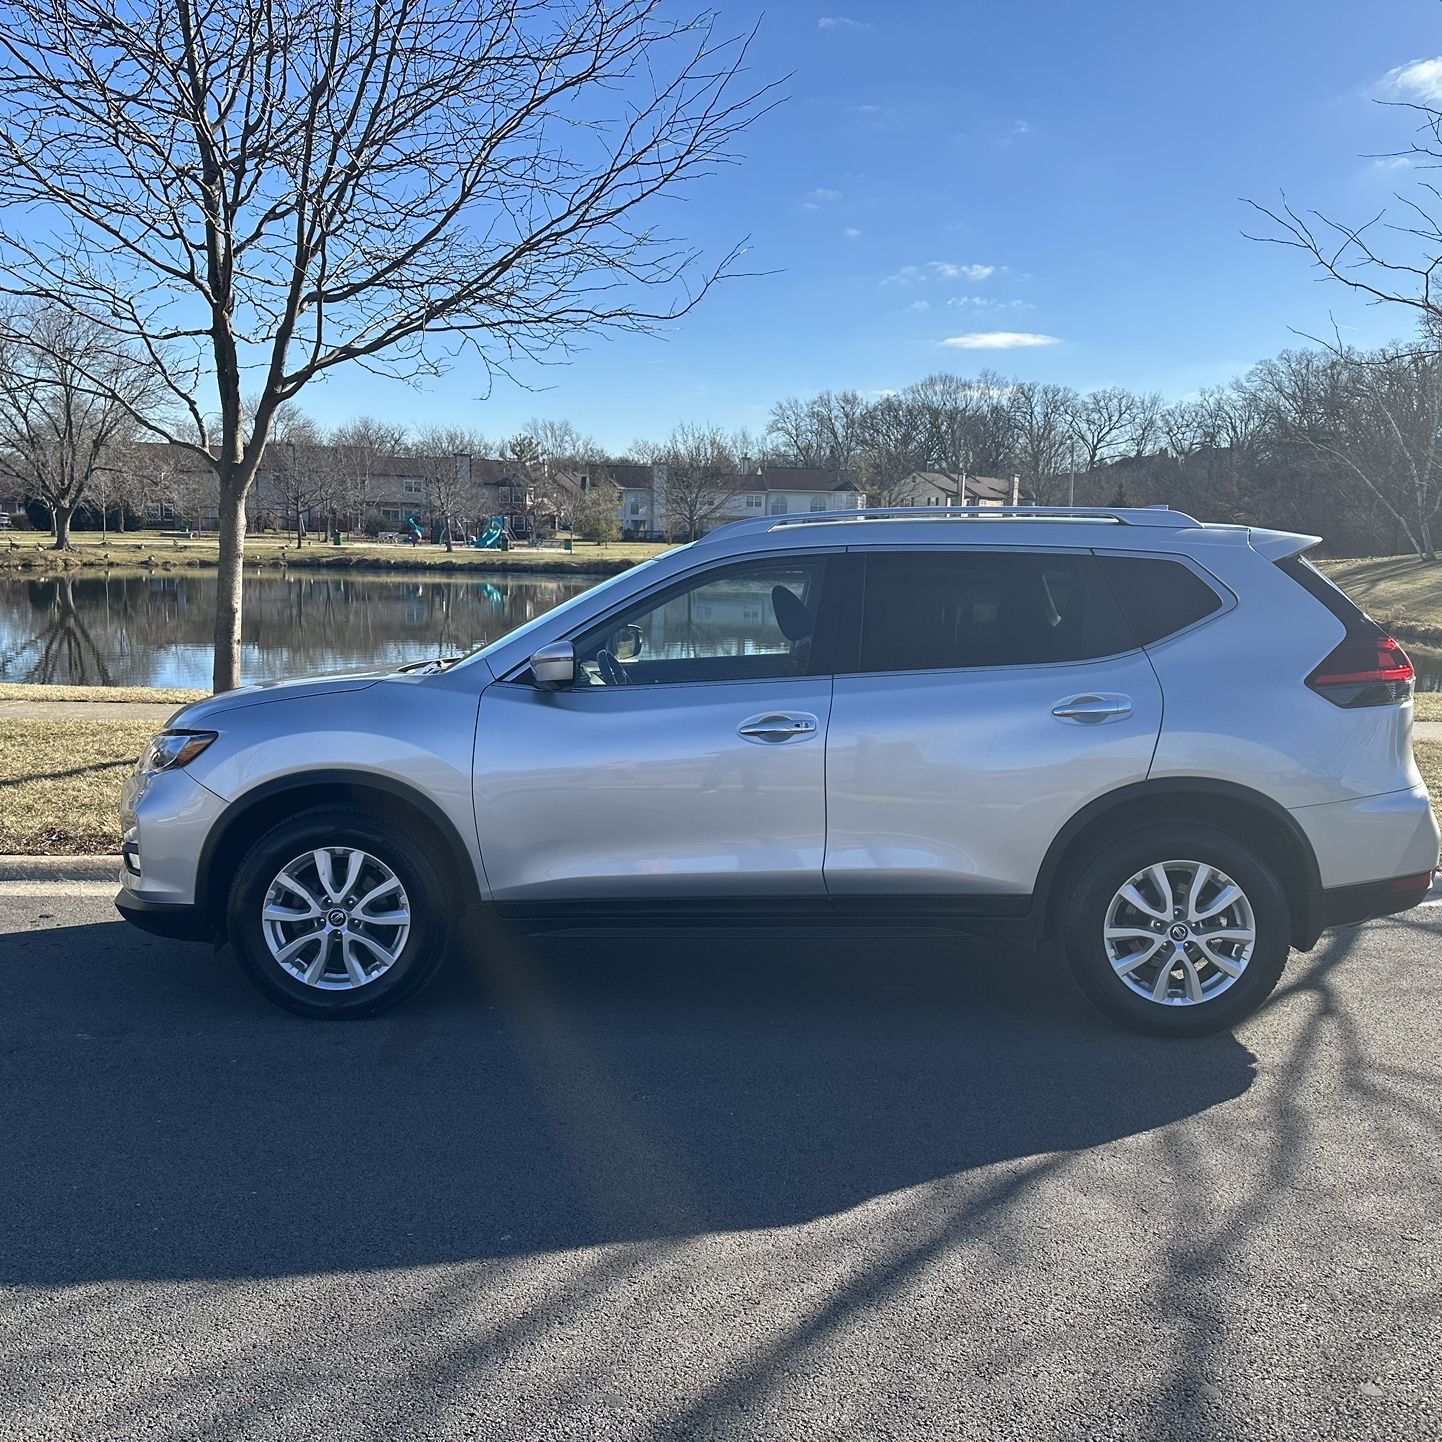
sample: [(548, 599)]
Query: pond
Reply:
[(155, 629)]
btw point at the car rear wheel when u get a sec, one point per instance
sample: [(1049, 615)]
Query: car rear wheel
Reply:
[(1177, 929), (338, 912)]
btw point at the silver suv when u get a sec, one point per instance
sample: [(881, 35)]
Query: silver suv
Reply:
[(1174, 748)]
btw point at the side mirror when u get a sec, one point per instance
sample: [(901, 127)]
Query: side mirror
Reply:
[(554, 666), (627, 642)]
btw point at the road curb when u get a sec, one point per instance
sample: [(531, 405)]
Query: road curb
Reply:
[(59, 868)]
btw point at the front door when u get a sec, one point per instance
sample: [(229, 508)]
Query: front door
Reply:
[(993, 695), (686, 763)]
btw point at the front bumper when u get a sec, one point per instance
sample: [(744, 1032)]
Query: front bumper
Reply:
[(173, 920)]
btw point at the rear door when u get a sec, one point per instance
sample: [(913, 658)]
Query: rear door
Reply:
[(992, 695)]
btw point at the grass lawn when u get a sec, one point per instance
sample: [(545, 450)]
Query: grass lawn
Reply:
[(157, 695), (140, 548), (1400, 590), (60, 783)]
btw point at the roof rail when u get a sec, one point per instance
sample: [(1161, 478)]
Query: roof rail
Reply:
[(1158, 517)]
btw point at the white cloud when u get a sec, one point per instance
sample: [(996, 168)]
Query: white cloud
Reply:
[(1417, 79), (840, 22), (815, 199), (985, 302), (851, 232), (919, 305), (1021, 127), (1391, 162), (939, 270), (863, 110), (947, 271), (999, 340)]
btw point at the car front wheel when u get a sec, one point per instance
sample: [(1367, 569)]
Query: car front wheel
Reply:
[(338, 912), (1178, 930)]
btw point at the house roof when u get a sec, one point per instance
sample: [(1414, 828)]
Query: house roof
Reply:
[(981, 488)]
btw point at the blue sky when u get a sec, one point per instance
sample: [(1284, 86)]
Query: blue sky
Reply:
[(1041, 168)]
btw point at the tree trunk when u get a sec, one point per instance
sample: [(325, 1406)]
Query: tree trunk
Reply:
[(226, 674), (60, 519)]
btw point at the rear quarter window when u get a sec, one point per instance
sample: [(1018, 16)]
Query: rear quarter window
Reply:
[(1158, 597)]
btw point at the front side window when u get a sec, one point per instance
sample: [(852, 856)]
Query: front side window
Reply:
[(933, 610), (743, 623)]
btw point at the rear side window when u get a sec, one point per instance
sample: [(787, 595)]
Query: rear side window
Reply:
[(934, 610), (1159, 598), (1336, 600)]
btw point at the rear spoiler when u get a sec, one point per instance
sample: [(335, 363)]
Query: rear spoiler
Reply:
[(1278, 545)]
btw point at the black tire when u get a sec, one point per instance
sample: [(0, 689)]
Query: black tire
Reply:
[(340, 826), (1084, 912)]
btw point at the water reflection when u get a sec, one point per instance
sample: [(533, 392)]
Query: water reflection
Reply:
[(155, 630)]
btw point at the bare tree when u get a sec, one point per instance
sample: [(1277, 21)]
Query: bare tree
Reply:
[(359, 447), (896, 445), (1041, 415), (261, 191), (444, 458), (701, 479), (1377, 416), (303, 467), (825, 431), (1101, 422), (67, 393), (967, 422)]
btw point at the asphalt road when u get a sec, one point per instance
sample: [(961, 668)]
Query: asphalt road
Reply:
[(759, 1187)]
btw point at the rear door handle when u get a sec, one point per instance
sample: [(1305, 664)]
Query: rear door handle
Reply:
[(1092, 708), (777, 726)]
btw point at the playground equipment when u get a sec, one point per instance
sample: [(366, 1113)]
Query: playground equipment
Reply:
[(496, 536), (413, 527)]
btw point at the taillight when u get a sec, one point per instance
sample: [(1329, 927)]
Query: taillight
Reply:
[(1364, 671)]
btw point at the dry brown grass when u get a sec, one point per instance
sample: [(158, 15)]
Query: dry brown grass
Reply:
[(1397, 590), (157, 695), (60, 784)]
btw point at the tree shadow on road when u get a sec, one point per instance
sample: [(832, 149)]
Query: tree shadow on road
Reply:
[(162, 1122)]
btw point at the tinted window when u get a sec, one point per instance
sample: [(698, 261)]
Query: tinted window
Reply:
[(742, 623), (1337, 601), (937, 609), (1158, 597)]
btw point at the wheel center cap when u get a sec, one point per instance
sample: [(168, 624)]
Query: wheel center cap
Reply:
[(1180, 932), (337, 917)]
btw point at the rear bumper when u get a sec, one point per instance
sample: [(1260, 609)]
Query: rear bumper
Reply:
[(1347, 905), (176, 921)]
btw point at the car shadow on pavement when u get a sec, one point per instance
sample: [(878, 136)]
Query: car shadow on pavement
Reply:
[(162, 1121)]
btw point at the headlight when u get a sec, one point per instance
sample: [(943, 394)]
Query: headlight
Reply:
[(172, 749)]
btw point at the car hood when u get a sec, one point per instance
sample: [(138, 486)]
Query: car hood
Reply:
[(199, 713)]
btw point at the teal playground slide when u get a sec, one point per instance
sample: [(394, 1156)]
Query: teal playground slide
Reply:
[(495, 537)]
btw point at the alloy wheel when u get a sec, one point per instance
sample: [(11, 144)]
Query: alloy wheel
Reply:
[(336, 918), (1179, 932)]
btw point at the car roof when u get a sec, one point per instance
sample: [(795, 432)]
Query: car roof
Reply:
[(1120, 528)]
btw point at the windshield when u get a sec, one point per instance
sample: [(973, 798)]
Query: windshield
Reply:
[(547, 618)]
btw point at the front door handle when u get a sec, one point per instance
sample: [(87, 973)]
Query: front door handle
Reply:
[(777, 726), (1092, 708)]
